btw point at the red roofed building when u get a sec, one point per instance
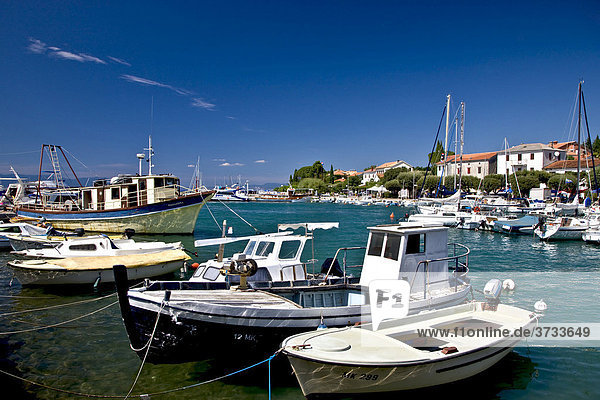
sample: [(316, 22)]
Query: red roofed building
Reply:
[(475, 164)]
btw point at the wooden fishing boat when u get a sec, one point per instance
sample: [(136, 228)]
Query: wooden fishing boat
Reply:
[(254, 320), (149, 204)]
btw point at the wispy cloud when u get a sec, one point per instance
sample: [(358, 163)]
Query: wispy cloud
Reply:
[(226, 164), (230, 117), (201, 103), (219, 159), (36, 46), (260, 161), (119, 61)]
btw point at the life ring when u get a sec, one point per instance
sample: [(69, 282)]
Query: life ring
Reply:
[(477, 209)]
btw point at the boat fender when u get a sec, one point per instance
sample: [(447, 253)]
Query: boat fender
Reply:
[(194, 266), (449, 350), (508, 284), (540, 305)]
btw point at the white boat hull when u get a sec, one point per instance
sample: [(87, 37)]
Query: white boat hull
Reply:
[(321, 378)]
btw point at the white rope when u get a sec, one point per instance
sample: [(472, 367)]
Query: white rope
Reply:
[(162, 304), (58, 323), (57, 306)]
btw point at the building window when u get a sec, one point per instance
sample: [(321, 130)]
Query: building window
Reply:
[(507, 157), (478, 170), (531, 156), (519, 157), (468, 170)]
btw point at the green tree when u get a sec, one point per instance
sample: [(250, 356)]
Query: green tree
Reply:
[(492, 183), (354, 181), (370, 167), (313, 183), (596, 146), (469, 182), (331, 178), (436, 156)]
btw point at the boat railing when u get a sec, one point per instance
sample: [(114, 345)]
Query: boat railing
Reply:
[(293, 267), (460, 267), (344, 259)]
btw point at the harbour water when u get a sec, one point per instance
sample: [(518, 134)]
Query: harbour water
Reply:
[(91, 355)]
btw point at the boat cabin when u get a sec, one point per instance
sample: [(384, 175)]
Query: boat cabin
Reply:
[(407, 251), (125, 191), (277, 255)]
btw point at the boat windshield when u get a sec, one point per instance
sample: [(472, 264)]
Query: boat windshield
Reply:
[(250, 248), (289, 249), (264, 248)]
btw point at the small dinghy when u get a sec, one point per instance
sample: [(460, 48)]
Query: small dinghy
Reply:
[(94, 270), (428, 349)]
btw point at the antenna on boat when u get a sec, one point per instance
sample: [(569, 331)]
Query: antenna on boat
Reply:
[(150, 154)]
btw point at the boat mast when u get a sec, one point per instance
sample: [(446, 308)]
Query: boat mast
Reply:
[(150, 154), (455, 148), (578, 144), (445, 170), (506, 162), (462, 142)]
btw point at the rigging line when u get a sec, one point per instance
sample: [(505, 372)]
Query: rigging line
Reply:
[(240, 217), (213, 217), (76, 159), (59, 323), (162, 305), (21, 152), (432, 151), (57, 305)]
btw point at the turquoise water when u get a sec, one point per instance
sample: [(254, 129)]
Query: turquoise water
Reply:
[(92, 355)]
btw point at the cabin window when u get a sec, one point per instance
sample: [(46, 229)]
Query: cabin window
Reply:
[(264, 248), (250, 248), (114, 193), (289, 249), (83, 247), (142, 184), (211, 273), (392, 247), (376, 244), (10, 229), (170, 182), (159, 182), (415, 244)]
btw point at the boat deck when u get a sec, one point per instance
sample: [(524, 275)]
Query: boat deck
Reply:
[(250, 299)]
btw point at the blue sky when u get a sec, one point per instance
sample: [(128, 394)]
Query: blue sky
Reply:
[(258, 88)]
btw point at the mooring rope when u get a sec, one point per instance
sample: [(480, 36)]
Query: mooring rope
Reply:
[(240, 217), (149, 395), (162, 304), (57, 305), (59, 323), (213, 217)]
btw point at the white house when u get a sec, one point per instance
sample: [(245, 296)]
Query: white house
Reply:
[(530, 157), (374, 174)]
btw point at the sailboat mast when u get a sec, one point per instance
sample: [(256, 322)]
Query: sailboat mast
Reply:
[(506, 161), (455, 148), (578, 144), (462, 142), (446, 141)]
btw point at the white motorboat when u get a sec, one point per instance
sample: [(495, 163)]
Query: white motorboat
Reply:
[(94, 270), (95, 246), (591, 235), (428, 349), (564, 228), (276, 255), (255, 320), (19, 228)]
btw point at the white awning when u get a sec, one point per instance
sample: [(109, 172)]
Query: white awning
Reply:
[(225, 240), (310, 226)]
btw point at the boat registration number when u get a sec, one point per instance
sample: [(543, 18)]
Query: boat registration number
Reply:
[(356, 376)]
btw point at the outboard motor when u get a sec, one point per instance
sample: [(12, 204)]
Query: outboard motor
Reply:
[(492, 291), (129, 232)]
